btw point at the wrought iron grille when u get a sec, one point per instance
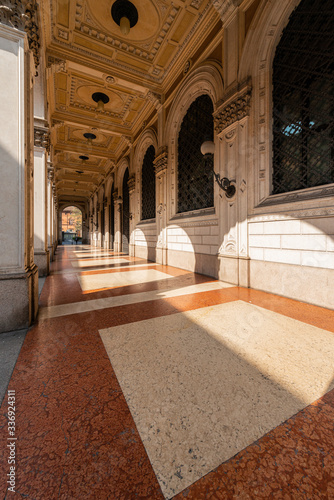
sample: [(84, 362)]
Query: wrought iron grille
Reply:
[(148, 185), (195, 184), (303, 99), (125, 214)]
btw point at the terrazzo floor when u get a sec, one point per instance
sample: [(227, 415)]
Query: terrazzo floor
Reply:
[(142, 381)]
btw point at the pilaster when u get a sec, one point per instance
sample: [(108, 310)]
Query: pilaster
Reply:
[(160, 163)]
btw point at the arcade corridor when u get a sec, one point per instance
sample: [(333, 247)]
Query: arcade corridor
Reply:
[(143, 381)]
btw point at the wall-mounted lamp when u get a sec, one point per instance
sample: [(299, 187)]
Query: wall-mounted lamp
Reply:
[(207, 150), (89, 136), (101, 99), (125, 14)]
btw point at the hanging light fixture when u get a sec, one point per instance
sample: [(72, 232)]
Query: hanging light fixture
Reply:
[(208, 150), (83, 158), (101, 99), (90, 137), (125, 14)]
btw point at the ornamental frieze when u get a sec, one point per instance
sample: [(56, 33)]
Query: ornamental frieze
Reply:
[(233, 111)]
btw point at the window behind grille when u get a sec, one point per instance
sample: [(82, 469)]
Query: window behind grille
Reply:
[(303, 99)]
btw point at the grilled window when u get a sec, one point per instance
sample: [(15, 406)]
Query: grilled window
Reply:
[(195, 185), (303, 99), (148, 185)]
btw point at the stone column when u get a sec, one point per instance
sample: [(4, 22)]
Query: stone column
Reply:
[(18, 272), (132, 187), (160, 164), (41, 251)]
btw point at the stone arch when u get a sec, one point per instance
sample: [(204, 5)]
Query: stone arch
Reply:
[(147, 139), (205, 79)]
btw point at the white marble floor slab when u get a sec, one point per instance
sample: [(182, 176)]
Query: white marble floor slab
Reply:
[(77, 270), (111, 280), (204, 384), (99, 262), (123, 300)]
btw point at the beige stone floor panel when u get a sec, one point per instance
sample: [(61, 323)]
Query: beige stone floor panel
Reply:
[(110, 280), (204, 384), (98, 262)]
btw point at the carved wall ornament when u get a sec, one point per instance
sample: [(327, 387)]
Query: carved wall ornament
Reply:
[(161, 161), (233, 111), (187, 66), (42, 138)]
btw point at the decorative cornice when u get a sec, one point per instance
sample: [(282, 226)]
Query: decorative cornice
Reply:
[(132, 183), (161, 161), (42, 138), (233, 110)]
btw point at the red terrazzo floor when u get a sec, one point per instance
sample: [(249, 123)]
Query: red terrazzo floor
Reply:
[(77, 438)]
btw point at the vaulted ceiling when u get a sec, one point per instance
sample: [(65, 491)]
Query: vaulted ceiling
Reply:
[(87, 53)]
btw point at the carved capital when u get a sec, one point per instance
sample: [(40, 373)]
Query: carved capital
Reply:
[(115, 196), (132, 183), (225, 7), (155, 98), (233, 109), (32, 29), (42, 138), (12, 13), (161, 161)]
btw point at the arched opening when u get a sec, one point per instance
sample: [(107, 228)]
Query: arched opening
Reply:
[(71, 225), (125, 213), (195, 185), (112, 219), (148, 185)]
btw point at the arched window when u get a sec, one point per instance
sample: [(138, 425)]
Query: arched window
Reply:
[(125, 213), (148, 185), (195, 186), (303, 99)]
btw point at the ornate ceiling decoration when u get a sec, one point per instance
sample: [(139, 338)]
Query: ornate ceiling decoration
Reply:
[(85, 53)]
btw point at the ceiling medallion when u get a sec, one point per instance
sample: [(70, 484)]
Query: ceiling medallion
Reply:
[(125, 14), (101, 99), (90, 137)]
